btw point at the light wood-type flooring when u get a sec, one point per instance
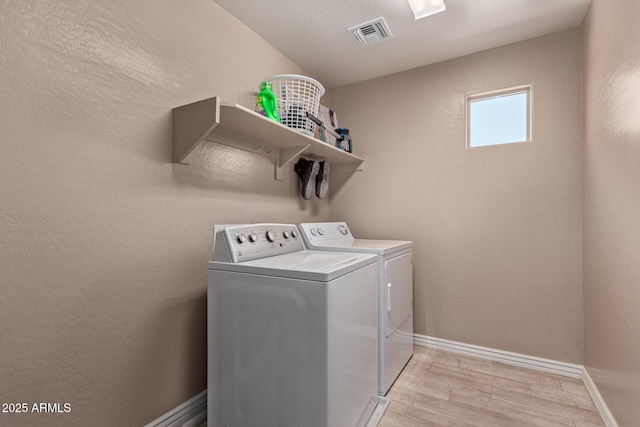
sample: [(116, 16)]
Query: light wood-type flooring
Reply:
[(439, 388)]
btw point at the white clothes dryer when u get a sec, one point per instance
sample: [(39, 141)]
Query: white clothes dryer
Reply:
[(395, 291), (291, 332)]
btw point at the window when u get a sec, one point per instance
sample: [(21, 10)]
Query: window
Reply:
[(499, 117)]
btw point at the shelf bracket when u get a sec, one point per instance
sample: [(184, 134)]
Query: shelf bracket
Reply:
[(285, 156), (191, 124)]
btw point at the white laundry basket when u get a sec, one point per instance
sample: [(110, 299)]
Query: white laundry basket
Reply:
[(296, 96)]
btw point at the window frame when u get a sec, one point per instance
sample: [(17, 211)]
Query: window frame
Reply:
[(479, 96)]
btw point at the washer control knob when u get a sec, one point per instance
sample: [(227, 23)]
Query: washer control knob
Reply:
[(241, 238), (320, 231), (271, 236), (286, 234), (294, 234), (253, 237), (343, 229), (312, 231)]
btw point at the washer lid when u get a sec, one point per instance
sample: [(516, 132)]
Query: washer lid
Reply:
[(306, 265)]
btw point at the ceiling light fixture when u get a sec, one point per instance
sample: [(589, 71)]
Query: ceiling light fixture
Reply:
[(424, 8)]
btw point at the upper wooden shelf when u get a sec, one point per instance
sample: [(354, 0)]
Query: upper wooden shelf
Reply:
[(236, 126)]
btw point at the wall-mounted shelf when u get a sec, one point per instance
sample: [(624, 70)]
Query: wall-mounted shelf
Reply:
[(236, 126)]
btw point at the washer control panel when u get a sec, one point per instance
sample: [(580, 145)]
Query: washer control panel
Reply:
[(254, 241), (322, 231)]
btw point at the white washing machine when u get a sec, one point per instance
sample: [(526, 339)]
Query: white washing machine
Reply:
[(395, 291), (291, 332)]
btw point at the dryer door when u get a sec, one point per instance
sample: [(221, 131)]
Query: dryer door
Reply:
[(398, 295)]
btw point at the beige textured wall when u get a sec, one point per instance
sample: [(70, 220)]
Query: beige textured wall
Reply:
[(611, 64), (497, 230), (103, 241)]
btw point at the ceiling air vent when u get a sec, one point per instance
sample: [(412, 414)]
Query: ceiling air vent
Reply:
[(370, 32)]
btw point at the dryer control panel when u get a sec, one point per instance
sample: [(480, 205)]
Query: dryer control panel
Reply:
[(324, 231), (253, 241)]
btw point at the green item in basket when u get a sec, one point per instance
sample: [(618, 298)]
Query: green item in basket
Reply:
[(266, 103)]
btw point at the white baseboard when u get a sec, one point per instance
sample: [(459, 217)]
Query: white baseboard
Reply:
[(191, 413), (606, 415), (522, 360)]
